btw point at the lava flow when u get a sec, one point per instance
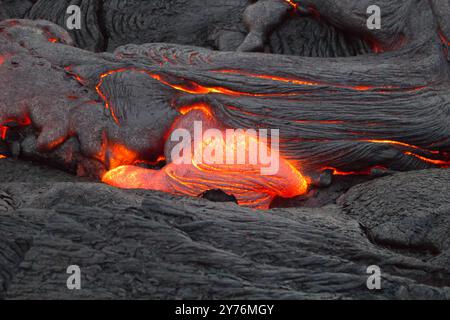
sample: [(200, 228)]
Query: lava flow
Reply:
[(3, 132), (242, 179), (292, 3), (306, 82)]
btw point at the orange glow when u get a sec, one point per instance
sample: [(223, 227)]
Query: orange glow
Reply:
[(292, 3), (366, 172), (244, 181), (270, 77), (443, 38), (24, 121), (187, 87), (440, 163), (120, 155), (3, 132), (103, 96), (53, 40), (55, 143), (376, 48), (199, 106), (402, 144), (392, 142), (2, 156), (77, 77), (195, 88), (303, 82), (2, 60)]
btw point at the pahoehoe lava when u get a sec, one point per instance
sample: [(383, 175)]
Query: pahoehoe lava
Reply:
[(363, 120), (342, 116)]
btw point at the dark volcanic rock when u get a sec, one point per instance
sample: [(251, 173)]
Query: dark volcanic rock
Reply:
[(408, 213), (144, 244), (217, 195), (139, 244), (14, 9)]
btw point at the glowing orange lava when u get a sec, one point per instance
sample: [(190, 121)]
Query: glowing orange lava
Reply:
[(440, 163), (366, 172), (187, 86), (402, 144), (244, 181), (292, 3), (104, 98), (23, 121), (303, 82), (2, 156), (3, 132), (120, 154), (198, 106)]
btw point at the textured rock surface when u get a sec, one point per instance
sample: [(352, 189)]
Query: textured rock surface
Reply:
[(408, 212), (136, 244), (143, 244), (388, 112)]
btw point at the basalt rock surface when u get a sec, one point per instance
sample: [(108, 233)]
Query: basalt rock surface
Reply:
[(144, 244), (89, 112), (352, 104)]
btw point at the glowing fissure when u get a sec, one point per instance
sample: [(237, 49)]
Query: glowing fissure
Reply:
[(402, 144), (191, 88), (104, 98), (440, 163), (3, 132), (311, 83), (292, 3), (195, 88), (444, 38), (365, 172), (203, 107)]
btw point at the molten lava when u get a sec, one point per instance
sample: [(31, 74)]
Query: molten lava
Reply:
[(292, 3), (302, 82), (3, 132), (21, 121), (242, 179)]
